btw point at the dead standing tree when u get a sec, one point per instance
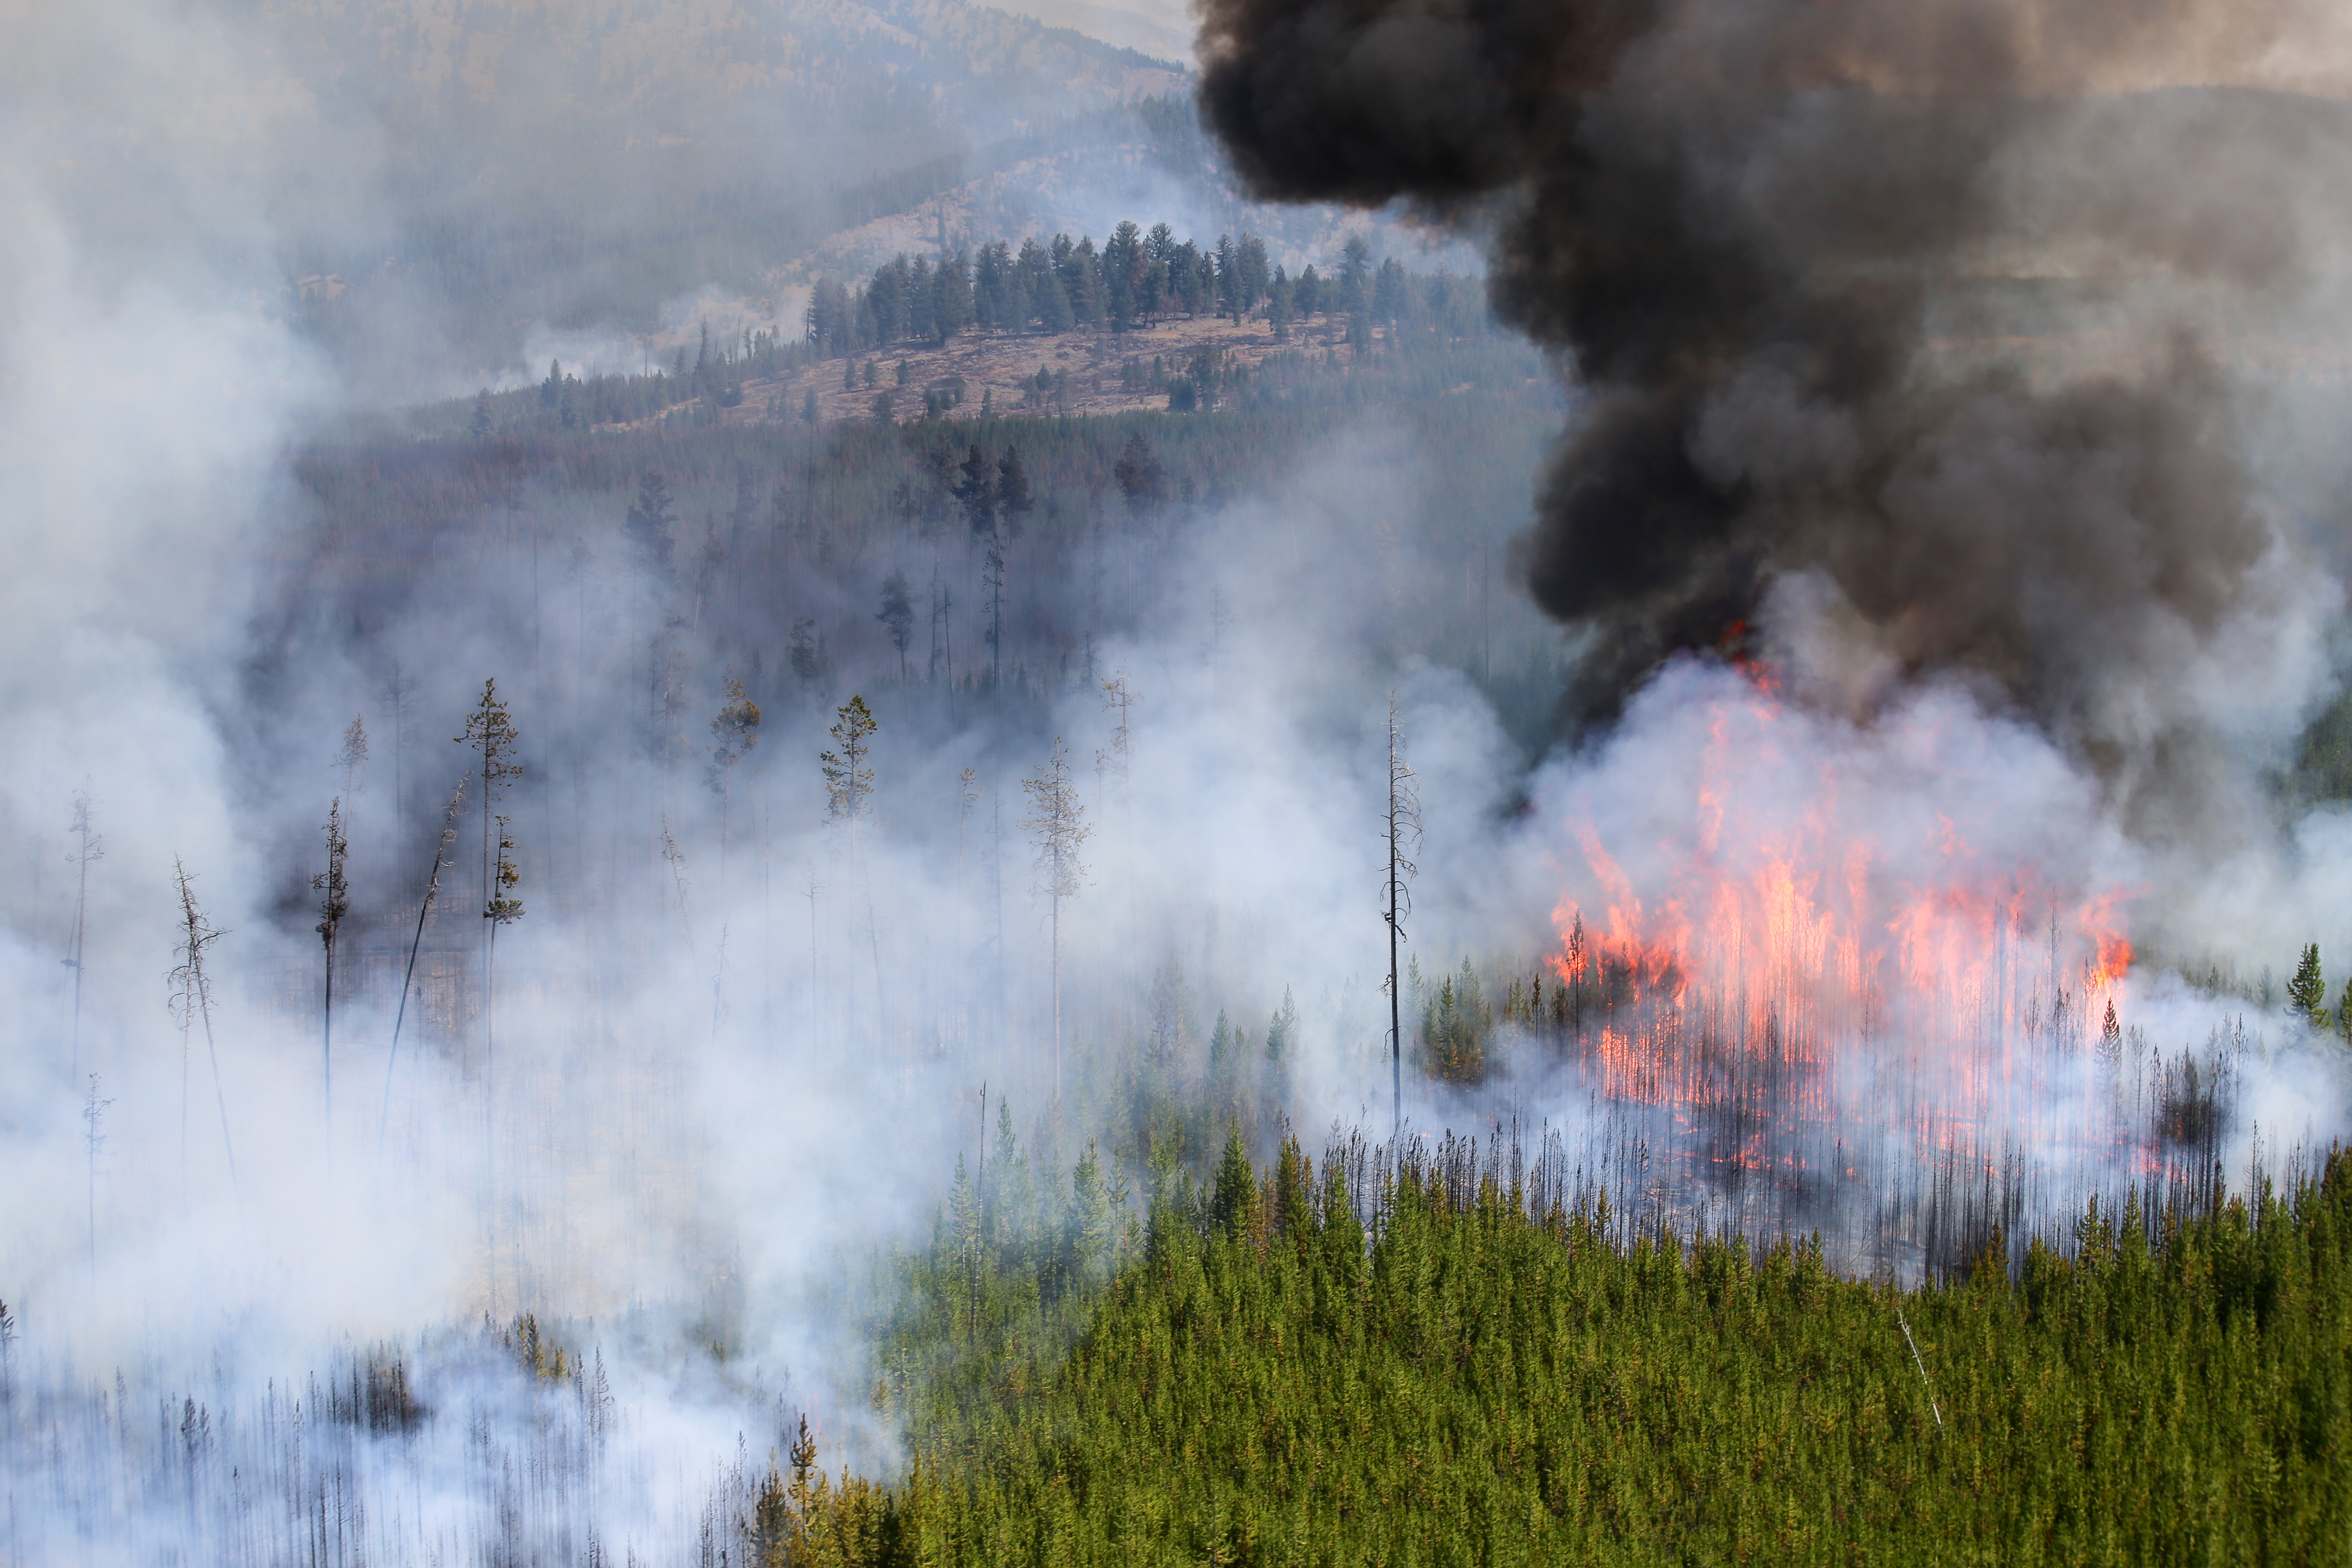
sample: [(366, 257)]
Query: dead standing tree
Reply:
[(441, 862), (1119, 699), (1059, 829), (334, 903), (490, 731), (93, 1120), (92, 847), (192, 1003), (1400, 827), (675, 859)]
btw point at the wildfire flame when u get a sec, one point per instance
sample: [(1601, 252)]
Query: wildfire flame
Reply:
[(1780, 945)]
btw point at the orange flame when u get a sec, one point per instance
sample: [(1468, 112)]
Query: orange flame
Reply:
[(1785, 938)]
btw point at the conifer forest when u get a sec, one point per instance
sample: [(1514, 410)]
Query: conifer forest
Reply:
[(1283, 783)]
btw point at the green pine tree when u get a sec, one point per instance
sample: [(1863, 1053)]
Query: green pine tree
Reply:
[(2307, 991)]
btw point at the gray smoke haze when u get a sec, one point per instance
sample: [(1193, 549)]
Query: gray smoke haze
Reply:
[(1945, 308), (731, 1047), (693, 1111)]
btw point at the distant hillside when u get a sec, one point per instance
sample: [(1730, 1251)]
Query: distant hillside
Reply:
[(571, 164), (697, 71)]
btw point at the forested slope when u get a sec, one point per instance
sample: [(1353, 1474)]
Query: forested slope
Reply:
[(1459, 1361)]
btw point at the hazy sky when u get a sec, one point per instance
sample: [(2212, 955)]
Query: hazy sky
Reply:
[(1160, 28)]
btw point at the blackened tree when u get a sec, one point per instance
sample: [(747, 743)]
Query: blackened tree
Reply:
[(334, 903), (441, 862), (490, 731)]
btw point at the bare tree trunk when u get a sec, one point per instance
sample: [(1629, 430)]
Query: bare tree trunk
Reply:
[(333, 906), (1403, 822), (408, 980), (92, 848), (1396, 1035)]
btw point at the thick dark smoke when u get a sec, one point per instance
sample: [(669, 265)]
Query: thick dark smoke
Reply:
[(1811, 262)]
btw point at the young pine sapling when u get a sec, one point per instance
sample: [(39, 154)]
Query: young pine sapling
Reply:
[(849, 781), (2307, 991)]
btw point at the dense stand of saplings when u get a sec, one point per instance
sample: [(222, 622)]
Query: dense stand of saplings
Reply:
[(1441, 1363)]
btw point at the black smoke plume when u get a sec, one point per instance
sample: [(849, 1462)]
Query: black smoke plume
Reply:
[(1919, 310)]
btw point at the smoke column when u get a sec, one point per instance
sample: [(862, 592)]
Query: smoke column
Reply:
[(1906, 327), (1928, 362)]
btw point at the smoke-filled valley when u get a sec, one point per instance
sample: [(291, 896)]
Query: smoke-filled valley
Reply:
[(967, 893)]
